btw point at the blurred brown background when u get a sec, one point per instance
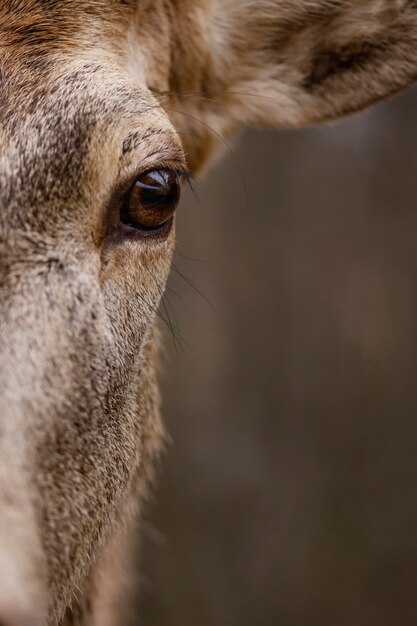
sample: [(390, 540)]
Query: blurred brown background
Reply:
[(289, 496)]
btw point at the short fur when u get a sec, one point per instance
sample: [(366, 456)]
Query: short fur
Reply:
[(90, 93)]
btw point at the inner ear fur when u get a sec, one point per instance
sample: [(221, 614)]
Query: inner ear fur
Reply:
[(317, 59)]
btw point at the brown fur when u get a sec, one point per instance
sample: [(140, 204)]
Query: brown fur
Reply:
[(90, 93)]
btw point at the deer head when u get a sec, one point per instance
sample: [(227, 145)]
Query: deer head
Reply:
[(105, 107)]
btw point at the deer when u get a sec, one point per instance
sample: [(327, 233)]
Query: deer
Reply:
[(107, 108)]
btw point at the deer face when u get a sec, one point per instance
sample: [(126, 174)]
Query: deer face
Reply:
[(90, 176), (93, 99)]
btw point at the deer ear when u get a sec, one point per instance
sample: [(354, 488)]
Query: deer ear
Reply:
[(292, 62), (313, 60)]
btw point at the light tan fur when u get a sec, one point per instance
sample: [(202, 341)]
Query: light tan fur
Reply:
[(92, 92)]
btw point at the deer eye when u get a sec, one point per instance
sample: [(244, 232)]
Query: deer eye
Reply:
[(151, 203)]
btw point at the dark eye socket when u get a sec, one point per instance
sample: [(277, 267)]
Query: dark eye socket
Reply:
[(151, 203)]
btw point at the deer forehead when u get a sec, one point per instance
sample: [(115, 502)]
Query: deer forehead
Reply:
[(70, 133)]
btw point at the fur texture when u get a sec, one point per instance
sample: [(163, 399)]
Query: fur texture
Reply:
[(91, 93)]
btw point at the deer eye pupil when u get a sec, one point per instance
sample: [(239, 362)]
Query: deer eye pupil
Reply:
[(152, 201)]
